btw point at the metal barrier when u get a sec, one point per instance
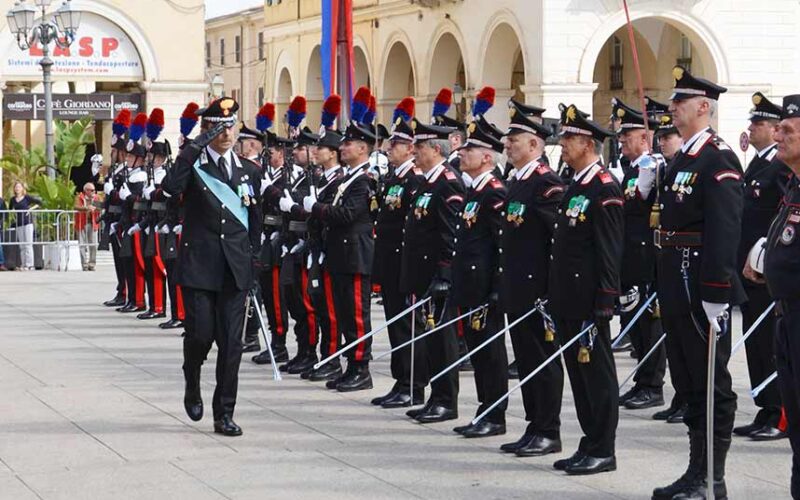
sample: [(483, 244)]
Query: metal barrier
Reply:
[(41, 238)]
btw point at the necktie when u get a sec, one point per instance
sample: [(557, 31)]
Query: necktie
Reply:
[(223, 168)]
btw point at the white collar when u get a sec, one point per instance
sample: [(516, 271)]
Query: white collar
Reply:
[(583, 173), (688, 144), (215, 156), (475, 182), (435, 170), (519, 174), (403, 169), (349, 170), (331, 172), (764, 151)]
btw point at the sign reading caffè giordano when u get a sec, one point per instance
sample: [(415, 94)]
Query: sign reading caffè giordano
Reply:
[(101, 106), (101, 50)]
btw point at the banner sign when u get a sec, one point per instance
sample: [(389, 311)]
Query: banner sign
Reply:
[(70, 106)]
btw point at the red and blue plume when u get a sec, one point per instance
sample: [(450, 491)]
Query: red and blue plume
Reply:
[(189, 118), (372, 110), (404, 110), (483, 101), (296, 112), (121, 122), (265, 117), (444, 99), (330, 110), (155, 123), (138, 126), (360, 104)]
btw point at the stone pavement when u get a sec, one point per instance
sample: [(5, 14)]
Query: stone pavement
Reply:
[(92, 408)]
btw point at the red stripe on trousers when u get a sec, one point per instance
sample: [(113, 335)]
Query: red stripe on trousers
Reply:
[(310, 315), (359, 355), (179, 294), (783, 423), (334, 326), (276, 300), (138, 270), (460, 324), (159, 272)]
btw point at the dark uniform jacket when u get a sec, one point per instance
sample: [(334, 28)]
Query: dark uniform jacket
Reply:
[(527, 228), (639, 255), (137, 178), (701, 197), (430, 230), (765, 184), (782, 260), (273, 218), (395, 202), (587, 246), (213, 239), (349, 247), (327, 186), (475, 259)]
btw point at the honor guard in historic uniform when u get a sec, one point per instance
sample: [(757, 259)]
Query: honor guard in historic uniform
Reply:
[(475, 276), (458, 135), (584, 282), (221, 238), (397, 192), (781, 268), (349, 251), (534, 195), (117, 172), (639, 261), (428, 245), (700, 225), (129, 194), (765, 183)]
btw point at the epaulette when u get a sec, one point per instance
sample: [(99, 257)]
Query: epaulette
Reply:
[(720, 144), (450, 176), (699, 143), (542, 169), (496, 183), (606, 178)]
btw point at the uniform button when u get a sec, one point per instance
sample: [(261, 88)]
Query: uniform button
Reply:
[(559, 210), (345, 240), (171, 249), (697, 254), (552, 240), (403, 244), (455, 240), (205, 188), (425, 257), (500, 250), (661, 206), (577, 275), (458, 226), (500, 232), (666, 189), (396, 250), (223, 206), (223, 221), (500, 269), (555, 225), (186, 244), (473, 268), (222, 236), (502, 214), (551, 257), (643, 243), (530, 276), (454, 253)]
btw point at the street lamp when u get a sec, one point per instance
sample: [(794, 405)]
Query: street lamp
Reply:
[(21, 22)]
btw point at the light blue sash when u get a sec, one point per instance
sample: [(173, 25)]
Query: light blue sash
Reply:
[(224, 194)]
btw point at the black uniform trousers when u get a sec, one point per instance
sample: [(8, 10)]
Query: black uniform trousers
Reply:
[(644, 335), (156, 285), (687, 353), (293, 279), (351, 300), (175, 293), (760, 354), (394, 303), (541, 397), (490, 363), (274, 303), (216, 316), (322, 299), (439, 350), (119, 269), (594, 387), (787, 354)]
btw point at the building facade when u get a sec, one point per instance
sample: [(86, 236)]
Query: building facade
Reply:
[(543, 51)]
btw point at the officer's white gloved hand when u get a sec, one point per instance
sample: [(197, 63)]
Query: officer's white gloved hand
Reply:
[(309, 261), (147, 230), (263, 238), (148, 190), (274, 236), (164, 229), (124, 192), (647, 175), (266, 182), (298, 246), (177, 229), (108, 187), (713, 312), (286, 202), (321, 258), (308, 202), (284, 251), (113, 227), (134, 229)]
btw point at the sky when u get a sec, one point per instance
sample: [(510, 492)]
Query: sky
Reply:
[(216, 8)]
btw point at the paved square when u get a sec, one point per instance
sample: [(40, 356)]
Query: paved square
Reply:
[(92, 408)]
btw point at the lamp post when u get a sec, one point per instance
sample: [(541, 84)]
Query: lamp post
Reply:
[(61, 30)]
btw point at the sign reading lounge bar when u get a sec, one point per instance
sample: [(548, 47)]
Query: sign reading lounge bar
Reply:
[(69, 106)]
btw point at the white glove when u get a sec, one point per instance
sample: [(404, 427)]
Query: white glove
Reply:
[(177, 229), (713, 312), (274, 236), (113, 227), (124, 192), (147, 230), (97, 161), (297, 246), (321, 258), (309, 261), (284, 251), (267, 182), (164, 229), (647, 175), (108, 187), (286, 202), (308, 203), (134, 229), (148, 190), (263, 238)]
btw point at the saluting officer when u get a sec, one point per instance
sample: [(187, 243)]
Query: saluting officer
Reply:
[(534, 194), (781, 270), (765, 183), (221, 238), (698, 279), (584, 283), (639, 261), (427, 254)]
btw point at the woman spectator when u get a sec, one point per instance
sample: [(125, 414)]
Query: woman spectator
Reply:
[(23, 203)]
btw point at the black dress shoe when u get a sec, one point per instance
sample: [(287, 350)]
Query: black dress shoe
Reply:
[(380, 399), (746, 430), (459, 429), (151, 315), (192, 400), (418, 411), (519, 443), (332, 383), (677, 415), (664, 414), (645, 398), (767, 433), (128, 307), (402, 400), (173, 323), (592, 465), (304, 364), (115, 302), (227, 426), (484, 429), (513, 371), (263, 358), (359, 380), (328, 371), (539, 446), (627, 395), (436, 413), (566, 462)]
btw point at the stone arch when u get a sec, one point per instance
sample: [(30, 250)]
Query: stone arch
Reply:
[(314, 92), (503, 59), (399, 64), (446, 66), (362, 72)]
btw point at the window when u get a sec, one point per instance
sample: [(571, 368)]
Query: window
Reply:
[(685, 57), (261, 46), (222, 52), (260, 96), (616, 80), (208, 54), (237, 48)]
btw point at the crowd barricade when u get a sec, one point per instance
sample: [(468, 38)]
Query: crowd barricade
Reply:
[(54, 242)]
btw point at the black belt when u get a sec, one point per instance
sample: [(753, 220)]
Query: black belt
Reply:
[(677, 239), (158, 206), (114, 209), (297, 226), (140, 205), (273, 220)]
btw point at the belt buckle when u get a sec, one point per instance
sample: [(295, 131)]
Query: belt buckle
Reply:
[(657, 238)]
